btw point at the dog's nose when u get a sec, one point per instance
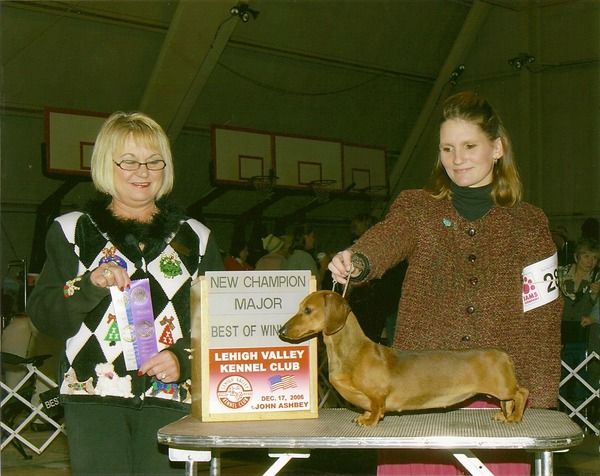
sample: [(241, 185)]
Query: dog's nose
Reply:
[(282, 331)]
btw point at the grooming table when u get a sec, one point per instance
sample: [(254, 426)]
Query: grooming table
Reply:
[(457, 431)]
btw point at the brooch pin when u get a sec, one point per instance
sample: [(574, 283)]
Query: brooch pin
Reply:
[(111, 256), (447, 222), (170, 266), (70, 287)]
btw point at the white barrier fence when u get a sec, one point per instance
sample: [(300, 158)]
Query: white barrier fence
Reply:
[(16, 403), (581, 408)]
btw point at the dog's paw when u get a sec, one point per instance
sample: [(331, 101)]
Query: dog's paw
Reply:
[(514, 419), (499, 417), (359, 420), (507, 419), (366, 419)]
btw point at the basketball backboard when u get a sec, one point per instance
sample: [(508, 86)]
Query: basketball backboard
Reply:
[(70, 136), (296, 162)]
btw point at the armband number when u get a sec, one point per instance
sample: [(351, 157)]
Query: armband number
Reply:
[(540, 283)]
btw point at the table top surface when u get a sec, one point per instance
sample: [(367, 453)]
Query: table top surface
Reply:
[(464, 428)]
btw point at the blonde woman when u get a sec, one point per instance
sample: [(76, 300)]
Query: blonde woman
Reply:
[(119, 387)]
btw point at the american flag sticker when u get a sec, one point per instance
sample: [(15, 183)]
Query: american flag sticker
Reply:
[(280, 382)]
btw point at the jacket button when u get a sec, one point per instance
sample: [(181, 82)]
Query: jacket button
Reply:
[(470, 309), (473, 280), (472, 258), (466, 338), (471, 231)]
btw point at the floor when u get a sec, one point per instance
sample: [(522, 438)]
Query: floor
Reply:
[(583, 460)]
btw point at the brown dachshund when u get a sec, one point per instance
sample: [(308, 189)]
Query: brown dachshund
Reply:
[(379, 379)]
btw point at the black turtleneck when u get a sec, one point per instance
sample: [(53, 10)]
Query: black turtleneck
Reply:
[(472, 202)]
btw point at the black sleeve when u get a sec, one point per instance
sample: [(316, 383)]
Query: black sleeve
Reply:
[(61, 300), (212, 259)]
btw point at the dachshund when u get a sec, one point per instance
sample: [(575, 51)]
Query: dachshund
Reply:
[(379, 379)]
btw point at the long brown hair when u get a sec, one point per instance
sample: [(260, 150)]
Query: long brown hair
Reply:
[(468, 106)]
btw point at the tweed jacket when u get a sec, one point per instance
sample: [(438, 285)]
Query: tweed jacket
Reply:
[(66, 305), (464, 286)]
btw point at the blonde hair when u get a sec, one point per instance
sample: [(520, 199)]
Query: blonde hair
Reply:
[(115, 130), (507, 189)]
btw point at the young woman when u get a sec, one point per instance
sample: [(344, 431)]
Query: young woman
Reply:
[(481, 263), (120, 381), (580, 286)]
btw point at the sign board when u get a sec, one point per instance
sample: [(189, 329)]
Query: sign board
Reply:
[(246, 371), (70, 137)]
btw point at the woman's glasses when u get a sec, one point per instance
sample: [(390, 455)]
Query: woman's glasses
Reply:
[(131, 165)]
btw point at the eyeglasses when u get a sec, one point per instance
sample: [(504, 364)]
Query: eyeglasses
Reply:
[(131, 165)]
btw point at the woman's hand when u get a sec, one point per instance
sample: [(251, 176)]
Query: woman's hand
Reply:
[(110, 274), (341, 266), (164, 366), (586, 321)]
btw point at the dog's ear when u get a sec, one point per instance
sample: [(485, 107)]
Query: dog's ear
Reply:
[(336, 311)]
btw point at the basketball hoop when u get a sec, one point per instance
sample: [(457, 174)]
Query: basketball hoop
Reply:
[(263, 183), (322, 189)]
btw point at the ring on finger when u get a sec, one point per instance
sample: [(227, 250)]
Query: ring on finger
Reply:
[(107, 273)]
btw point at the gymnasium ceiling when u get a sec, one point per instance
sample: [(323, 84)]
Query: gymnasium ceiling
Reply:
[(190, 64)]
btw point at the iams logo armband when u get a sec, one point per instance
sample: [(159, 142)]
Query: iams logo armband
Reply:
[(540, 283)]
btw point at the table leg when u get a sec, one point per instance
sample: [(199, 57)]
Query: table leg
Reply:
[(471, 463), (190, 468), (215, 463), (283, 458), (543, 463), (192, 457)]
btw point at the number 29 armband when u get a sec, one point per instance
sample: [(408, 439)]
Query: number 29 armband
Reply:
[(540, 283)]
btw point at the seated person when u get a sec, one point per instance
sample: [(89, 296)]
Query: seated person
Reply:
[(236, 261), (277, 251)]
